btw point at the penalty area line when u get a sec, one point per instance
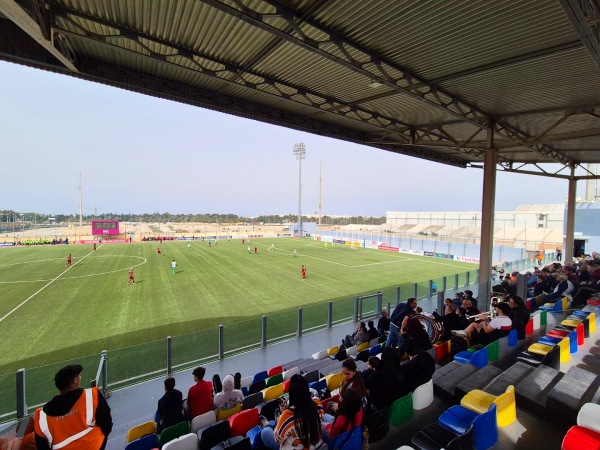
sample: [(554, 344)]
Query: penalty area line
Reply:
[(42, 288)]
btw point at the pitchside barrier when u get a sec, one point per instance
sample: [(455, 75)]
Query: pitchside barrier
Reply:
[(27, 389)]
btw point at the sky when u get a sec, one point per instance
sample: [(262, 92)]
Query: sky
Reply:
[(140, 154)]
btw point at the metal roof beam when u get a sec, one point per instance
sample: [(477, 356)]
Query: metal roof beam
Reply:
[(229, 73), (585, 18), (340, 50), (37, 32)]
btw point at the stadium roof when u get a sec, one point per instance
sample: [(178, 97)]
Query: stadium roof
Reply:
[(441, 81)]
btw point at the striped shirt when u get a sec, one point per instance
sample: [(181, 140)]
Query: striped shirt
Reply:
[(285, 430)]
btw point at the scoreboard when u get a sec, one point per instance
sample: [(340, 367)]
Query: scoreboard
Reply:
[(104, 227)]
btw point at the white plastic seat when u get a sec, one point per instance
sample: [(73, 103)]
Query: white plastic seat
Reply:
[(202, 421), (320, 355), (185, 442), (588, 417), (246, 381), (423, 396), (352, 351), (290, 373)]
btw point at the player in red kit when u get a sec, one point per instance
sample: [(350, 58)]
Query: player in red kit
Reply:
[(158, 251), (69, 260), (255, 250), (131, 279), (94, 246), (303, 271)]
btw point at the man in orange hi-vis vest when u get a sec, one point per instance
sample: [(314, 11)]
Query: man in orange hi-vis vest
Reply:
[(76, 419)]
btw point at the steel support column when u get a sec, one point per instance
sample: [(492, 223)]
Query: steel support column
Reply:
[(570, 219), (487, 222)]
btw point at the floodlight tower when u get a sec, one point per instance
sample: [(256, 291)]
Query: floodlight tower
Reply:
[(300, 152)]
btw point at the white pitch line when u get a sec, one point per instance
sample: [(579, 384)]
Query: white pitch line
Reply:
[(42, 288)]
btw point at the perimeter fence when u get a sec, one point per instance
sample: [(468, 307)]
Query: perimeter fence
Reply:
[(25, 390)]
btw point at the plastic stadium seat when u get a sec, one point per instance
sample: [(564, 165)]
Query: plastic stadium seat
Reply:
[(320, 355), (363, 355), (478, 358), (252, 400), (246, 381), (273, 392), (378, 424), (442, 349), (255, 437), (260, 376), (401, 410), (286, 386), (185, 442), (581, 438), (436, 437), (173, 432), (275, 380), (224, 414), (335, 399), (493, 350), (332, 351), (334, 381), (213, 434), (203, 420), (559, 306), (141, 430), (588, 417), (275, 371), (268, 409), (529, 327), (354, 442), (480, 401), (148, 442), (313, 375), (485, 427), (257, 387), (373, 342), (423, 396), (375, 350), (536, 320), (341, 355), (290, 373), (361, 347), (243, 421), (318, 385)]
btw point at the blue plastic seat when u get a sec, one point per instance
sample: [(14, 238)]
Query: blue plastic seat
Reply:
[(375, 350), (255, 437), (549, 340), (478, 358), (147, 442), (353, 443), (260, 376), (318, 385), (459, 419), (513, 338)]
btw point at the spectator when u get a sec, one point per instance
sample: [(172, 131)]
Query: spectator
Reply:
[(372, 331), (352, 380), (457, 300), (468, 306), (468, 295), (400, 312), (418, 336), (64, 417), (373, 364), (562, 289), (358, 337), (388, 384), (420, 366), (383, 324), (170, 407), (519, 315), (487, 332), (229, 397), (299, 425), (199, 399), (349, 416)]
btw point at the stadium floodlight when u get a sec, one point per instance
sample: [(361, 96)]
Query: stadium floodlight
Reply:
[(300, 153)]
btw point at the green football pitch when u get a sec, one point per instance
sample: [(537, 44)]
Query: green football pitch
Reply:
[(51, 313)]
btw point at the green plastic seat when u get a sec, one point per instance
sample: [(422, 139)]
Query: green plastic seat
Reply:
[(401, 411), (275, 380), (173, 432), (493, 350)]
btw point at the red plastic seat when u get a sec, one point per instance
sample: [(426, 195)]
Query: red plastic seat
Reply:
[(580, 438), (275, 370), (243, 421)]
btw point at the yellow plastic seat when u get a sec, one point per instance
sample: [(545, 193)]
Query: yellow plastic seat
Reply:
[(334, 381), (363, 346), (333, 350), (570, 323), (565, 350), (592, 320), (273, 392), (540, 349), (224, 414), (141, 430), (506, 406)]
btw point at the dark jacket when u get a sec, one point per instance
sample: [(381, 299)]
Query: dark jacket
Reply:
[(419, 369), (170, 409), (519, 317)]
